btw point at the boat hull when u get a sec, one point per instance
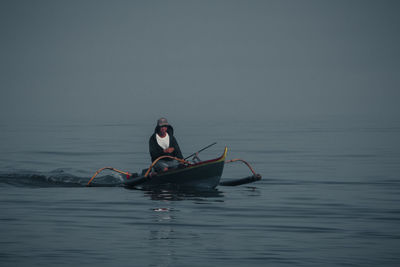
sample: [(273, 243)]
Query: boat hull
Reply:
[(205, 174)]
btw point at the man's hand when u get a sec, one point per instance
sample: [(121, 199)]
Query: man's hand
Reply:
[(169, 150)]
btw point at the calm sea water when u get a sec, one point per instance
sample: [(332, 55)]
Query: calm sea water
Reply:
[(330, 196)]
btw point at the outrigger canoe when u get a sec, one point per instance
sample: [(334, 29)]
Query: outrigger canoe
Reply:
[(202, 174)]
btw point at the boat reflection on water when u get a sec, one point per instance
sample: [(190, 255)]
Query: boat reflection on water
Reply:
[(179, 193)]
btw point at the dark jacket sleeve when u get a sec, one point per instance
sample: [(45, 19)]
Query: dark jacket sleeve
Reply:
[(177, 152), (155, 150)]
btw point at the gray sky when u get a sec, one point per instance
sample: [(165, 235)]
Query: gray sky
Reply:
[(133, 60)]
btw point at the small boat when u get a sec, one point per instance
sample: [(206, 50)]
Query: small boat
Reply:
[(204, 174), (201, 174)]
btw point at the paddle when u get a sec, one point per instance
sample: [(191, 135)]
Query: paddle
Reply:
[(200, 150)]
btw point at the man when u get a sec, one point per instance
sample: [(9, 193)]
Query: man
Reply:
[(163, 143)]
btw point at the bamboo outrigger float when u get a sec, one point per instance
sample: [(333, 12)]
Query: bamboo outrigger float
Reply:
[(202, 174)]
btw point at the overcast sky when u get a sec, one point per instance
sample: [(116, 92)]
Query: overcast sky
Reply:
[(133, 60)]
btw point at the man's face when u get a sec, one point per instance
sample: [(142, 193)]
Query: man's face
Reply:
[(163, 130)]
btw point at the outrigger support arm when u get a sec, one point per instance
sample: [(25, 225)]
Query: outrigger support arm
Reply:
[(163, 157), (246, 180), (106, 168), (245, 162), (128, 174)]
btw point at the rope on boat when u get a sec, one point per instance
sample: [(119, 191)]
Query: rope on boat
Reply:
[(163, 157), (106, 168)]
